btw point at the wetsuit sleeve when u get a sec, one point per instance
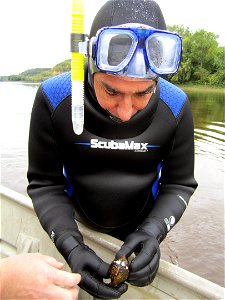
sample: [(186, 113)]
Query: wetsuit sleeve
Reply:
[(45, 173), (177, 182)]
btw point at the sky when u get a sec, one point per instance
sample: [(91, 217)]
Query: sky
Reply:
[(36, 34)]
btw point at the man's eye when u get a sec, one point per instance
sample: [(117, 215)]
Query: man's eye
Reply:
[(143, 94), (111, 92), (149, 91)]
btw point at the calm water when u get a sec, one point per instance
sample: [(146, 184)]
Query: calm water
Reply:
[(197, 241)]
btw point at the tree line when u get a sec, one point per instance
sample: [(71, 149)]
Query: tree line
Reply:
[(39, 74), (202, 62)]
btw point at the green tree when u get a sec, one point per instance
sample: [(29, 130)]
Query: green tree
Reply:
[(218, 77), (185, 69), (63, 67), (202, 59), (204, 47)]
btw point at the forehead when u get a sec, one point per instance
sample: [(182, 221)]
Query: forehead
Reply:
[(122, 83)]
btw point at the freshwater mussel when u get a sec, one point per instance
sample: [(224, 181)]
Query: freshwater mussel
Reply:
[(119, 271)]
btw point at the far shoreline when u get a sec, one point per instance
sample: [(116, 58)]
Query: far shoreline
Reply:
[(201, 88)]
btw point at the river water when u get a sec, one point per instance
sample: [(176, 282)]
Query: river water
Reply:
[(197, 241)]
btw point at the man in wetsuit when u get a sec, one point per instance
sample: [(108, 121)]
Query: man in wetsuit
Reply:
[(130, 174)]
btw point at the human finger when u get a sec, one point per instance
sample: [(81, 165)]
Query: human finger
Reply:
[(145, 275), (149, 252), (53, 262), (66, 279)]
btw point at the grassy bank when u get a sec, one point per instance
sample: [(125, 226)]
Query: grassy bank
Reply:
[(199, 87)]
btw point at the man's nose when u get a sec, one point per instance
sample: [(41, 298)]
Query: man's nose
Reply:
[(125, 108)]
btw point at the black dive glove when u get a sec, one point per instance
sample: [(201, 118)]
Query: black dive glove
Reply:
[(92, 268), (144, 242)]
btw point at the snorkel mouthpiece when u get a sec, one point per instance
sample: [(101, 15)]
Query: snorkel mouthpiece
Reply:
[(77, 66)]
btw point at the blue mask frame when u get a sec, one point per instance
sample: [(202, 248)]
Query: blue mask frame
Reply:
[(139, 51)]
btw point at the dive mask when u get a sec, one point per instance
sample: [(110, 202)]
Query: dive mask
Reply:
[(135, 50)]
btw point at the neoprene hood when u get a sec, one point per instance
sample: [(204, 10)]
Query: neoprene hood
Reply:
[(117, 12)]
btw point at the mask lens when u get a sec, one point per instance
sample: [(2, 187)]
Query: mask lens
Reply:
[(115, 50), (164, 52), (119, 48)]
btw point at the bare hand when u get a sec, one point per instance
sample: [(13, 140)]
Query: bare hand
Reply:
[(36, 276)]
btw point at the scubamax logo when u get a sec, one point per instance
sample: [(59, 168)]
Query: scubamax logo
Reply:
[(113, 145)]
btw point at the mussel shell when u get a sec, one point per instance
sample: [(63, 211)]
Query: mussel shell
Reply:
[(119, 271)]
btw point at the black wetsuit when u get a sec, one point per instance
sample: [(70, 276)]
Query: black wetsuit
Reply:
[(130, 179), (115, 173)]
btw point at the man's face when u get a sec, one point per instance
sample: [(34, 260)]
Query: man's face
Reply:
[(123, 97)]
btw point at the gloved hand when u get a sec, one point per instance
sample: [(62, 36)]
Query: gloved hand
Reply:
[(92, 269), (144, 266)]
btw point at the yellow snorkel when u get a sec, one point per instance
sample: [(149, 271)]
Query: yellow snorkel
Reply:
[(77, 66)]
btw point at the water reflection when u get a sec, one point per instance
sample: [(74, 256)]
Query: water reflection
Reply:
[(197, 241), (208, 113)]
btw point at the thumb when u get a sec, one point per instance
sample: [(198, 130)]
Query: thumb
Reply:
[(124, 251), (130, 245)]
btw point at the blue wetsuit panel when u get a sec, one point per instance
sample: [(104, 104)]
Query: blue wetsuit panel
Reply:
[(57, 88), (172, 96)]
